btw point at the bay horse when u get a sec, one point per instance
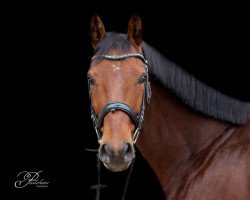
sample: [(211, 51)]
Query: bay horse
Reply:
[(195, 138)]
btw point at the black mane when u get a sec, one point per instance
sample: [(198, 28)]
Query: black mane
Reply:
[(186, 87)]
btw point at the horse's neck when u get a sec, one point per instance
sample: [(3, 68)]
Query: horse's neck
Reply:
[(172, 133)]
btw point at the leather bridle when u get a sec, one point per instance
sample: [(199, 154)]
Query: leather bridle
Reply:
[(117, 105)]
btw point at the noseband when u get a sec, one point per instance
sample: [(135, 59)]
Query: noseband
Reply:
[(117, 105)]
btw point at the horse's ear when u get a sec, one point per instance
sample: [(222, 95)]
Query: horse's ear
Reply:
[(134, 34), (97, 30)]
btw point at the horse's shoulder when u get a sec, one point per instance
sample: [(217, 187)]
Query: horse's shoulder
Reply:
[(225, 170)]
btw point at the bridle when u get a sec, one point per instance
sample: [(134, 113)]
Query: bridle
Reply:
[(117, 105)]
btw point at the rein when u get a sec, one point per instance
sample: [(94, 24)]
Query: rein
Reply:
[(99, 186)]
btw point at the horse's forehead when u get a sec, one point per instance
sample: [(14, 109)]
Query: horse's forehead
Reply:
[(132, 66)]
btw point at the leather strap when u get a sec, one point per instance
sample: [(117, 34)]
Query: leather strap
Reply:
[(114, 106)]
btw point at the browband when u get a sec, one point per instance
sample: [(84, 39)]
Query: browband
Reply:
[(121, 57)]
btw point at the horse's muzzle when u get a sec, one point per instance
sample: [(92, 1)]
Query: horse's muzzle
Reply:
[(116, 159)]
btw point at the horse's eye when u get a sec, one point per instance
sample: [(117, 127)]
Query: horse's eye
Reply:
[(142, 79), (91, 81)]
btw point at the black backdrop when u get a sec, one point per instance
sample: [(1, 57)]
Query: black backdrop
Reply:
[(44, 91)]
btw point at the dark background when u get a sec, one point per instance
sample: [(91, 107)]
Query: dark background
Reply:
[(46, 55)]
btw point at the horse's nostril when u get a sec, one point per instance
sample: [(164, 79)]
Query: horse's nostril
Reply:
[(105, 150), (128, 151), (104, 153)]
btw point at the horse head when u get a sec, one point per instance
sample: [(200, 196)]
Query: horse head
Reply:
[(119, 89)]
